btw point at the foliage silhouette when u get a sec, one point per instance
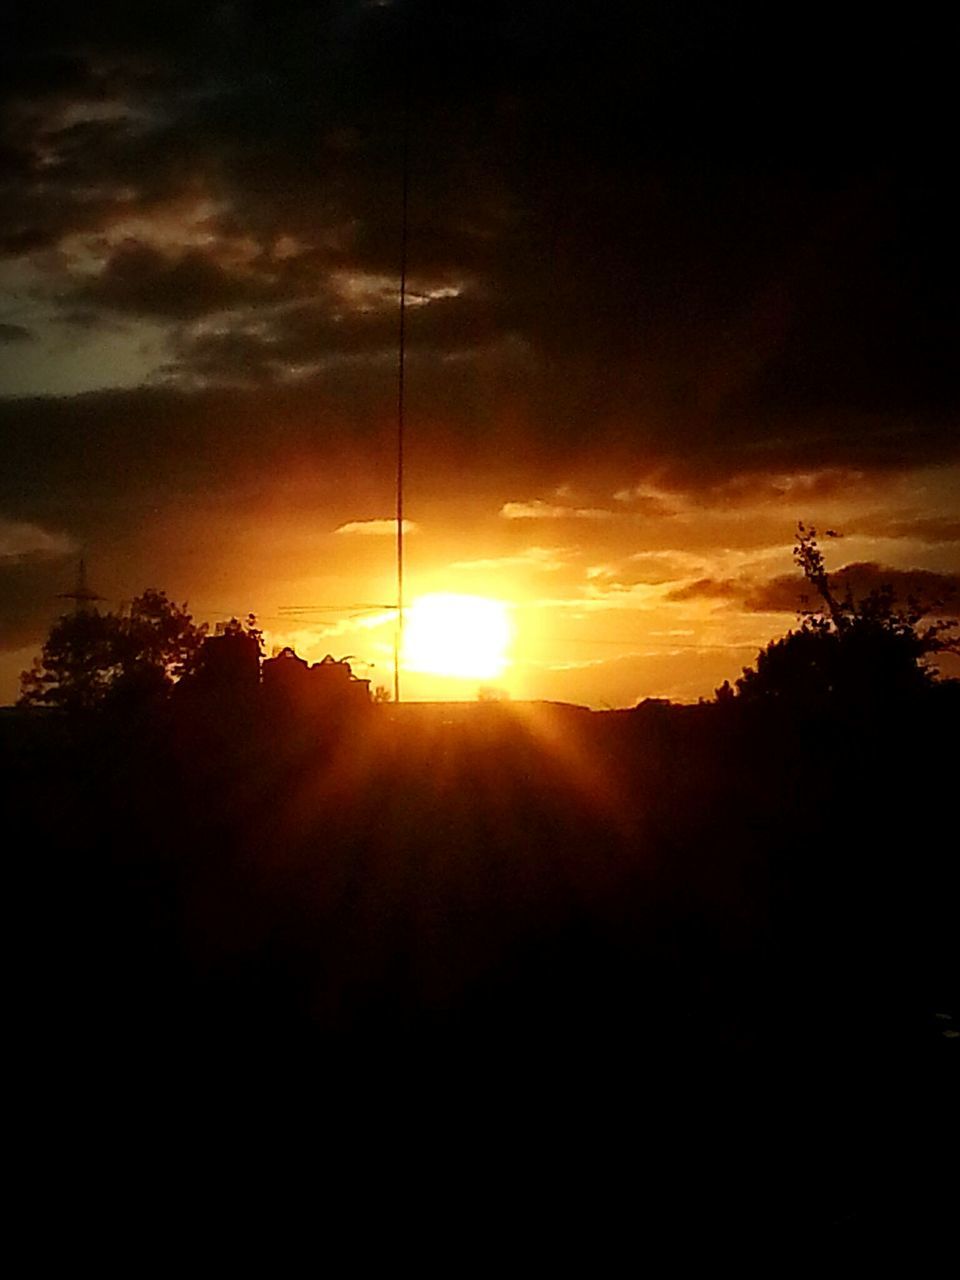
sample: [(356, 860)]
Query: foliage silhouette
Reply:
[(855, 652), (246, 627), (91, 660)]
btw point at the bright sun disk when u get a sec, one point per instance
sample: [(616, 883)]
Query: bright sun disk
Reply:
[(454, 635)]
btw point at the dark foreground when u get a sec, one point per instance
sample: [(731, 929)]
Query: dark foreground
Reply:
[(687, 964)]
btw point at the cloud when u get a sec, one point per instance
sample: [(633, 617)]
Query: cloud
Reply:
[(377, 528), (539, 510), (647, 499), (786, 594), (547, 559), (14, 333), (141, 280), (656, 567), (932, 530), (101, 459), (33, 578), (286, 334), (707, 589), (19, 540), (802, 486), (789, 593)]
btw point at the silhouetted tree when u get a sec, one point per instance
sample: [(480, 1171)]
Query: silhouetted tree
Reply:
[(246, 627), (80, 662), (845, 649), (725, 693), (91, 659)]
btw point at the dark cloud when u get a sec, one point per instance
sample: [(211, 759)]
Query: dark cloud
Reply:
[(786, 594), (707, 589), (109, 456), (13, 333), (661, 204), (146, 282), (30, 597), (928, 529), (744, 489), (273, 343)]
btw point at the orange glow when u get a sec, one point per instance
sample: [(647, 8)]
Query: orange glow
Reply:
[(455, 635)]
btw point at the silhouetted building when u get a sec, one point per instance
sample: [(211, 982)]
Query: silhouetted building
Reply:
[(325, 689), (230, 664), (285, 680)]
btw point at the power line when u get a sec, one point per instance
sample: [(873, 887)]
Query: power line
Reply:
[(334, 608)]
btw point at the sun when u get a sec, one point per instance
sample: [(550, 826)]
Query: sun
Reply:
[(453, 635)]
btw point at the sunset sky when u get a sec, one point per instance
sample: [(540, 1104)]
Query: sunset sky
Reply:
[(679, 276)]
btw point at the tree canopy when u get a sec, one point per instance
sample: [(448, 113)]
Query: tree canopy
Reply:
[(847, 650), (92, 659)]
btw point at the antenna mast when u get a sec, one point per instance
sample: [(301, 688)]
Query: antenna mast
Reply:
[(401, 352)]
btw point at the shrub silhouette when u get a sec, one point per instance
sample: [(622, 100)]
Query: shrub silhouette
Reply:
[(858, 653)]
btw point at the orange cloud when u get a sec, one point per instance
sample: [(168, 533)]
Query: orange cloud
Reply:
[(540, 510), (377, 528)]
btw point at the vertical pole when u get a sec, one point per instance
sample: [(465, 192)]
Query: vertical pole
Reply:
[(398, 631)]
